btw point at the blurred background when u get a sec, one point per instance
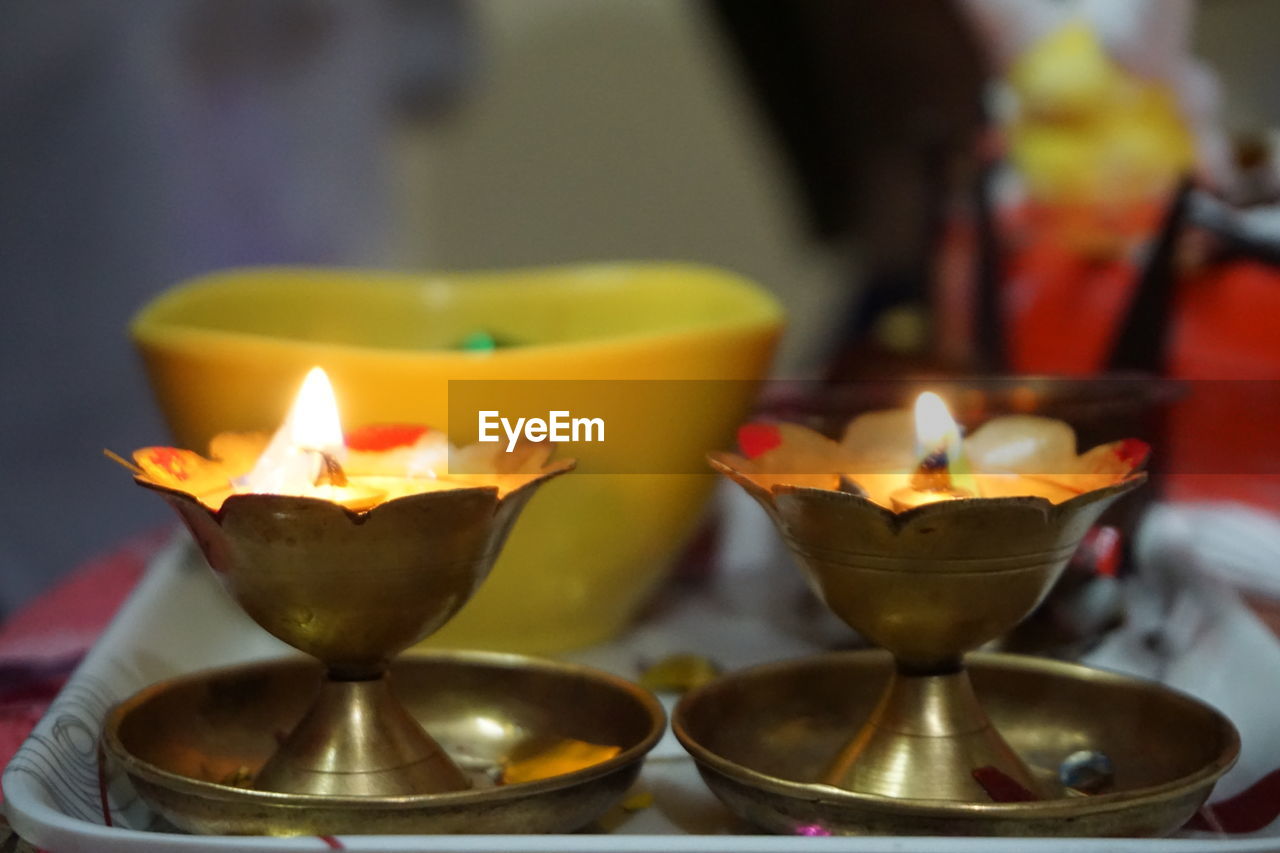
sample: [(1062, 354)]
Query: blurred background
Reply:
[(926, 185)]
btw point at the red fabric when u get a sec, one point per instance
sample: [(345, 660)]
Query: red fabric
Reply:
[(1251, 810), (1069, 276), (41, 643), (1068, 281)]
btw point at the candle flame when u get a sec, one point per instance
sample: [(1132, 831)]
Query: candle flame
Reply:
[(313, 420), (939, 452), (308, 440), (936, 430)]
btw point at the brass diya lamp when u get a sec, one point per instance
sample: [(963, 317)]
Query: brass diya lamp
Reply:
[(350, 551), (930, 548)]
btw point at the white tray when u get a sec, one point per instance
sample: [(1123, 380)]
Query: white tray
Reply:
[(178, 620)]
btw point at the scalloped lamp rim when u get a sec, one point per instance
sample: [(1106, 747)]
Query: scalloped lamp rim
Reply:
[(357, 517), (717, 460)]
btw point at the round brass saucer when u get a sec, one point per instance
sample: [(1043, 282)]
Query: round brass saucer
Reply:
[(762, 736), (549, 746)]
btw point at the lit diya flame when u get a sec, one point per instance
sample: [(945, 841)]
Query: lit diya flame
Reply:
[(937, 435), (304, 457), (901, 458), (309, 456), (938, 448)]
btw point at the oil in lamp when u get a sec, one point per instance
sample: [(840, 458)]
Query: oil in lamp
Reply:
[(350, 563), (931, 558)]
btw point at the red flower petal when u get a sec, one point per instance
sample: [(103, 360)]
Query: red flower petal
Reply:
[(1133, 452), (171, 460), (755, 439), (385, 436), (1001, 787)]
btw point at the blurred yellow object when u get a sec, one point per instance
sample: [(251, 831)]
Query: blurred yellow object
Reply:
[(226, 352), (1065, 75), (638, 801), (534, 760), (679, 673), (1087, 130)]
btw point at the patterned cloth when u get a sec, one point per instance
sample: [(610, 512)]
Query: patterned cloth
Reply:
[(44, 642)]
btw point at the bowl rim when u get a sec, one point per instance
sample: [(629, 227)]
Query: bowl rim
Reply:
[(760, 310), (168, 780)]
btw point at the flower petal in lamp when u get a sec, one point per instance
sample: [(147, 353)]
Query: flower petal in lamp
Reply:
[(930, 554), (348, 567)]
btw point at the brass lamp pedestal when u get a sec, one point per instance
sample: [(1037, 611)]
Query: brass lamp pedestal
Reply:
[(923, 741), (357, 739), (353, 589), (929, 584)]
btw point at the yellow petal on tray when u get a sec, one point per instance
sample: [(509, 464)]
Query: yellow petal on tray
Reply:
[(181, 469), (542, 759), (679, 673), (638, 801)]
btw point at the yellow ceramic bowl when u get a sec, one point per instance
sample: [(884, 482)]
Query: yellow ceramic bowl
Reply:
[(227, 352)]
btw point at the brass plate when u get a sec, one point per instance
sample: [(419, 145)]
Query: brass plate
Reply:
[(188, 742), (762, 735)]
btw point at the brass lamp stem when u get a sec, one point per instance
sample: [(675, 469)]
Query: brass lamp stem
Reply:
[(358, 740), (924, 740)]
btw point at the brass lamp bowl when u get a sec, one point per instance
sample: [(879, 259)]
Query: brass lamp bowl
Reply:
[(353, 589), (929, 584), (763, 738), (190, 744)]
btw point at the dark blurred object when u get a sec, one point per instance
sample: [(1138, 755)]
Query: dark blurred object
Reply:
[(876, 106), (1141, 342), (1258, 180), (145, 142), (990, 345), (439, 52), (1083, 606), (1239, 233)]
